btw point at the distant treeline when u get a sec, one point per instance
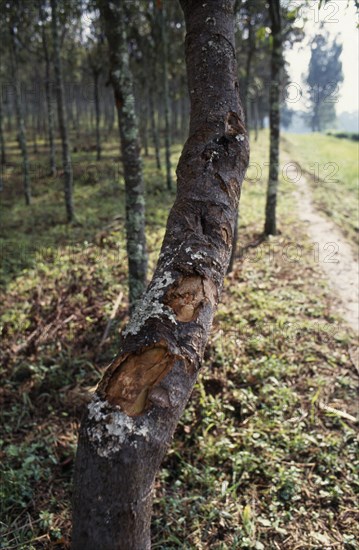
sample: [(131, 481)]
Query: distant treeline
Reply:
[(354, 136)]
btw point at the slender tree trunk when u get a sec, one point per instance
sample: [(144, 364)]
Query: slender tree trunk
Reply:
[(50, 119), (20, 119), (270, 226), (121, 79), (62, 119), (247, 80), (174, 110), (164, 54), (247, 107), (2, 138), (50, 113), (111, 121), (131, 418), (2, 142), (96, 74), (144, 117), (154, 131), (9, 115), (34, 131), (255, 109), (77, 118)]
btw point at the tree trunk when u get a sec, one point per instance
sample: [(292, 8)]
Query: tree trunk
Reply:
[(154, 131), (270, 226), (144, 125), (8, 116), (174, 111), (247, 107), (247, 80), (50, 113), (121, 79), (62, 119), (34, 131), (166, 98), (96, 74), (255, 117), (2, 139), (20, 118), (131, 418), (2, 143)]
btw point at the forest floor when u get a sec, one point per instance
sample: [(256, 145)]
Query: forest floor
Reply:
[(266, 454)]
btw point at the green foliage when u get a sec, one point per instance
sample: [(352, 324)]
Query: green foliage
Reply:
[(27, 468), (345, 135), (324, 76)]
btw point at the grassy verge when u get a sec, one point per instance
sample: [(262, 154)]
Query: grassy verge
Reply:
[(259, 460), (332, 169)]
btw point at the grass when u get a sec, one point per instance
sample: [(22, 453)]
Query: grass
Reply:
[(257, 461), (331, 166)]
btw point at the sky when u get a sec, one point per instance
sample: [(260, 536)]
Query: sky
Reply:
[(338, 18)]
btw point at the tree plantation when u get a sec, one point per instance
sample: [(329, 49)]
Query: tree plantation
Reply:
[(179, 275)]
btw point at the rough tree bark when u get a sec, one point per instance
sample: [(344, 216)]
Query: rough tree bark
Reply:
[(129, 423), (270, 226), (113, 15), (20, 116), (50, 113), (66, 156)]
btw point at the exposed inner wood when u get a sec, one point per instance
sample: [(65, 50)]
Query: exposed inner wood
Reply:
[(233, 124), (137, 374), (187, 297)]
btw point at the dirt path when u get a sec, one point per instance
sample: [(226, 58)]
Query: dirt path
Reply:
[(334, 253)]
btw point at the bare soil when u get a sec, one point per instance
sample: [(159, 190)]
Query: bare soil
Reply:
[(334, 253)]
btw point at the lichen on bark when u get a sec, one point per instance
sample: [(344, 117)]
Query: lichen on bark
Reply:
[(110, 427), (113, 15)]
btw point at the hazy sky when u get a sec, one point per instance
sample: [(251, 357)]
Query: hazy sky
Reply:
[(338, 19)]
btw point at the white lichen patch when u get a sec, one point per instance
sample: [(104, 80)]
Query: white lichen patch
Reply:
[(110, 427), (199, 255), (150, 306)]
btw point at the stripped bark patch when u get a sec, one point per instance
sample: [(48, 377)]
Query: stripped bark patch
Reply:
[(226, 235), (187, 297), (233, 125), (131, 382)]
